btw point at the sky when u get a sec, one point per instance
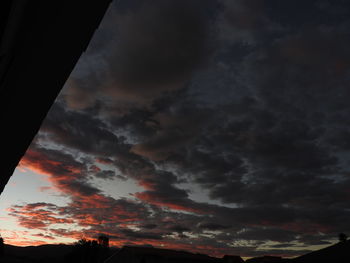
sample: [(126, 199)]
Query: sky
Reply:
[(214, 126)]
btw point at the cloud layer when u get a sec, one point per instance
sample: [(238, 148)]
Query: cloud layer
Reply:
[(246, 101)]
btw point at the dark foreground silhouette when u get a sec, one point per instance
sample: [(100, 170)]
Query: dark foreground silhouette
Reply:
[(88, 251), (35, 62)]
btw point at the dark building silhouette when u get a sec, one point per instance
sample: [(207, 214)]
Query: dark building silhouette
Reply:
[(40, 43)]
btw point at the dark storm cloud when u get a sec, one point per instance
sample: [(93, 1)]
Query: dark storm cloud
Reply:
[(81, 131), (272, 151), (109, 175), (212, 226), (262, 130), (154, 47), (149, 226), (310, 13), (141, 234), (274, 234), (81, 187), (159, 44), (175, 129), (179, 228), (315, 240), (244, 17)]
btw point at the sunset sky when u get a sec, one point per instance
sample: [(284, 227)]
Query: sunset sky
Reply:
[(215, 126)]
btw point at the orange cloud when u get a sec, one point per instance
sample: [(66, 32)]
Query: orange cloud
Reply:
[(37, 216)]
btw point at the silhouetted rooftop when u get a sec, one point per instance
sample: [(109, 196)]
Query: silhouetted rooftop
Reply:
[(338, 253)]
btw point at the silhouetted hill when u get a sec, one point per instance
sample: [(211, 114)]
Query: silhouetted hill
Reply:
[(38, 254), (150, 254), (268, 259), (338, 253), (31, 254)]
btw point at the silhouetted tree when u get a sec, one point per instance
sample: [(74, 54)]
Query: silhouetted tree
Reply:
[(342, 237), (103, 240), (88, 251), (104, 251)]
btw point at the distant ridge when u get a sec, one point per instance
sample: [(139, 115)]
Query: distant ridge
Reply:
[(150, 254), (45, 253), (338, 253)]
